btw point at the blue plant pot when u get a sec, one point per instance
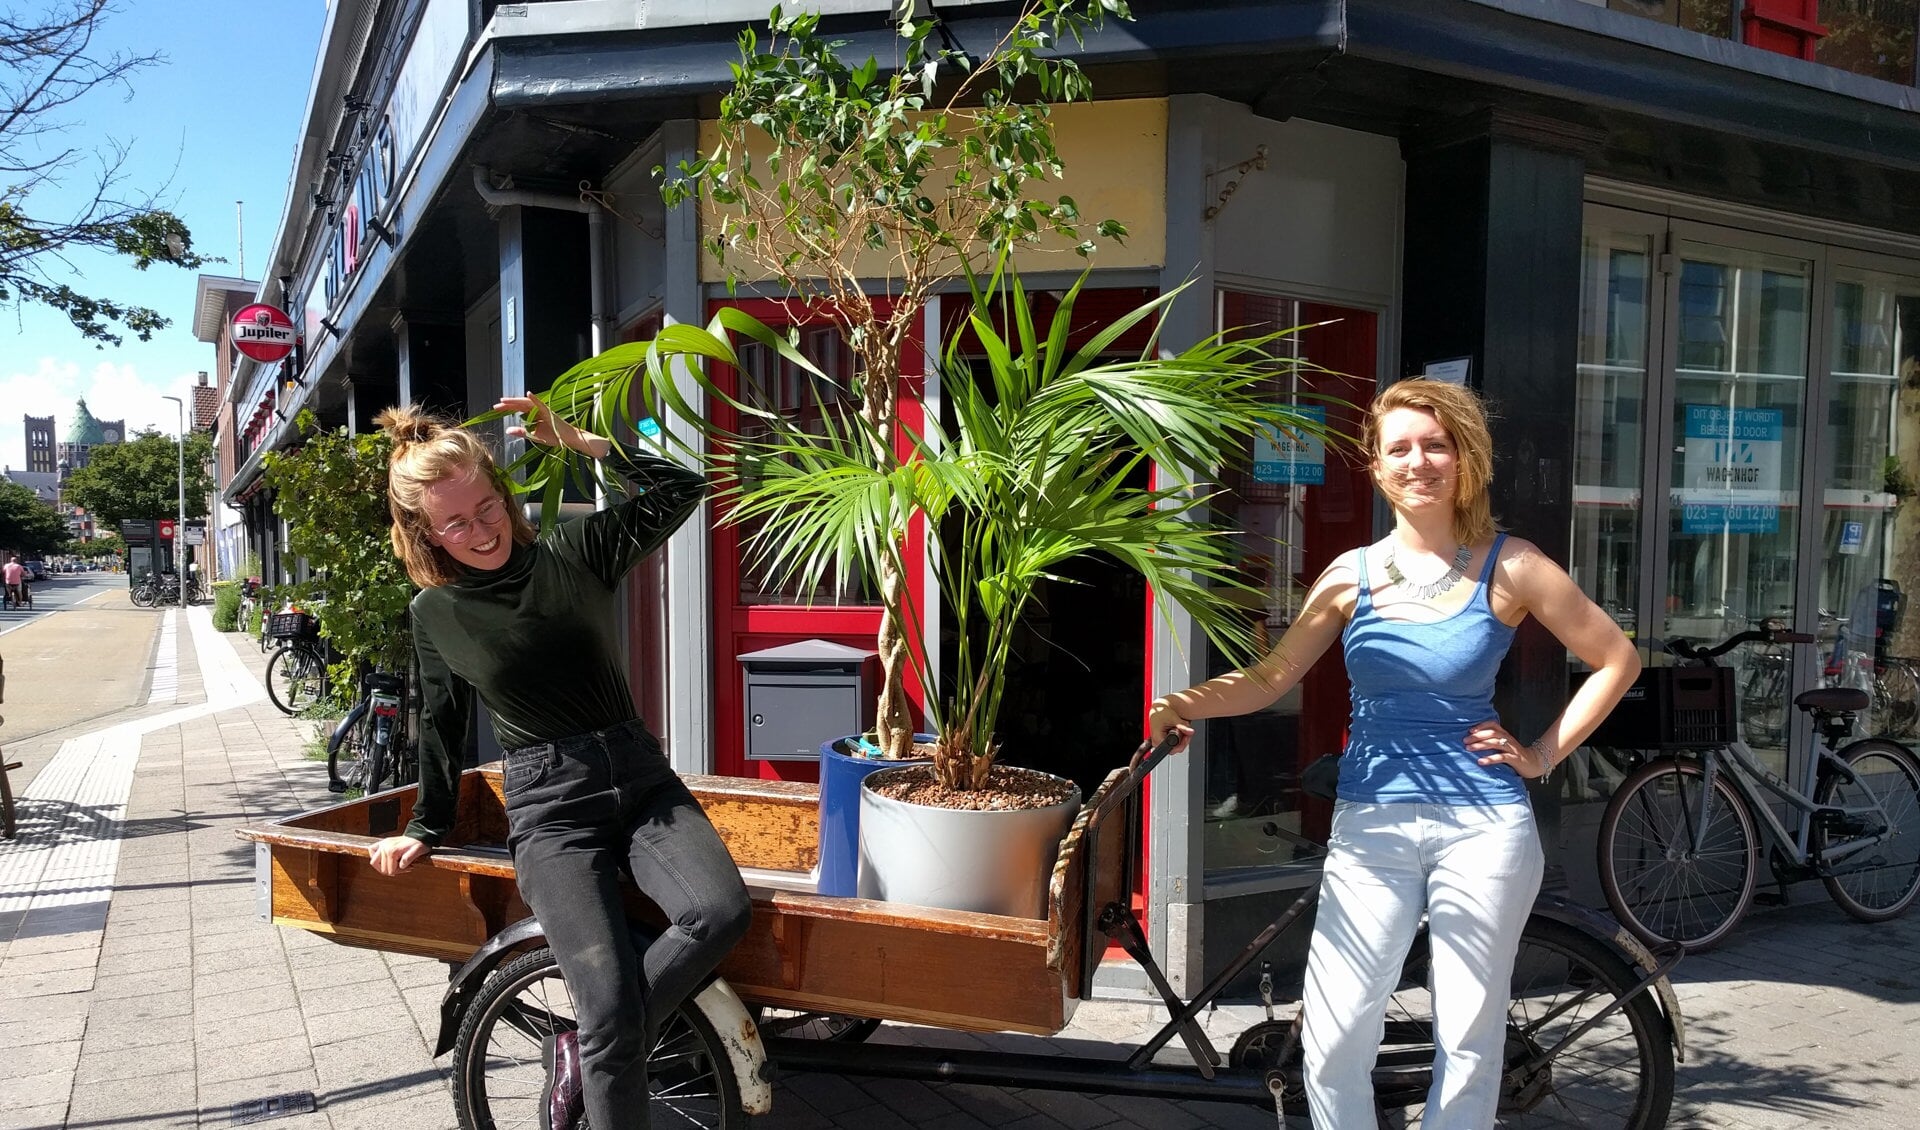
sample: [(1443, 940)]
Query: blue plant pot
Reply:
[(840, 778)]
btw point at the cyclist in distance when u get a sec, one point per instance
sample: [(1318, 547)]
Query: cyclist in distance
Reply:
[(529, 626), (1433, 813)]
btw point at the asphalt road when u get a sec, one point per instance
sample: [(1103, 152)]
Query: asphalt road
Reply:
[(82, 652)]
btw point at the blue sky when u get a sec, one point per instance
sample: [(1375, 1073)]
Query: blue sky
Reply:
[(215, 122)]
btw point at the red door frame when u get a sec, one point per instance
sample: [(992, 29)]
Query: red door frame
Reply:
[(741, 628)]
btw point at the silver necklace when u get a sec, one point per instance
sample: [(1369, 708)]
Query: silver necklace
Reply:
[(1431, 589)]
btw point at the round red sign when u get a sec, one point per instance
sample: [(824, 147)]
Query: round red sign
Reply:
[(263, 332)]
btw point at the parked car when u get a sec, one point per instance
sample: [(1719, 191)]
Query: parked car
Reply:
[(36, 570)]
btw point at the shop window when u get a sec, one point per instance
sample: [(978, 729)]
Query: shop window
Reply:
[(1869, 37), (1870, 522), (1296, 507), (1611, 391)]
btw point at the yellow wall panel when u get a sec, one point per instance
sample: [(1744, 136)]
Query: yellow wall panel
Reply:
[(1115, 155)]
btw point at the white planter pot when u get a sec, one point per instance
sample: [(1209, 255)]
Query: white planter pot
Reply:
[(992, 862)]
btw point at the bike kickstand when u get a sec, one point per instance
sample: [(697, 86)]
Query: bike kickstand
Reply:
[(1118, 924)]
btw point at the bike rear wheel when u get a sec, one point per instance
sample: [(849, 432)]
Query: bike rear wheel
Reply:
[(1879, 882), (499, 1075), (1896, 701), (347, 750), (1656, 882), (295, 675), (1616, 1075)]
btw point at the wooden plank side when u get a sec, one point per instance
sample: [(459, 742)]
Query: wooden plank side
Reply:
[(893, 966), (773, 830)]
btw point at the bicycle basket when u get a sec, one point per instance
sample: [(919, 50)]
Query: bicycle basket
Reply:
[(291, 625), (1671, 708)]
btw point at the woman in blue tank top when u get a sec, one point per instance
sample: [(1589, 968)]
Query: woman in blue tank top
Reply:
[(1433, 815)]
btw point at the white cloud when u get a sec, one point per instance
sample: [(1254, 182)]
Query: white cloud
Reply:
[(112, 391)]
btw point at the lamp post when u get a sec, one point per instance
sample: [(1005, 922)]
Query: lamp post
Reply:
[(180, 526)]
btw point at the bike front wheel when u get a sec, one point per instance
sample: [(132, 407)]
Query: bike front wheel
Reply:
[(294, 678), (500, 1076), (142, 596), (1878, 882), (1677, 864)]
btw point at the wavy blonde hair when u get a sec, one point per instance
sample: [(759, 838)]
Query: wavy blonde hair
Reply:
[(429, 450), (1464, 415)]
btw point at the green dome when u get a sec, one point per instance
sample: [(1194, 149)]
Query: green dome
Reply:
[(85, 428)]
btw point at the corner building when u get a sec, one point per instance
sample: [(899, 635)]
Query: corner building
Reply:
[(1676, 246)]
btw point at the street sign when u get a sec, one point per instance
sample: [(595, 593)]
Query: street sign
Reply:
[(195, 536), (263, 332), (166, 529)]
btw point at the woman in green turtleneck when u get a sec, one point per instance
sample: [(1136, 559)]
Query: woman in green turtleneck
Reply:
[(530, 626)]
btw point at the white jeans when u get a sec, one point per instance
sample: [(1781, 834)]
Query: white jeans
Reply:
[(1475, 871)]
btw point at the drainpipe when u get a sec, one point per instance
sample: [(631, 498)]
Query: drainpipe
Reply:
[(596, 232)]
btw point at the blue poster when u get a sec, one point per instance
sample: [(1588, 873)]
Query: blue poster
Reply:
[(1292, 457)]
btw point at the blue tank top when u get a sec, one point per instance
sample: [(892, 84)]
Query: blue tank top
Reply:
[(1417, 689)]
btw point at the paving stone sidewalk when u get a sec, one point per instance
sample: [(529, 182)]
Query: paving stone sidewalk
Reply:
[(186, 1003)]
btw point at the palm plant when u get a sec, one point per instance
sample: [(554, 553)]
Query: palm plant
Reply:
[(1040, 467)]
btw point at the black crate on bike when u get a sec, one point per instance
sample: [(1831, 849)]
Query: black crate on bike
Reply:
[(1669, 707), (291, 625)]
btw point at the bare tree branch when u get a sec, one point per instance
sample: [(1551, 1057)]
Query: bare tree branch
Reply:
[(48, 63)]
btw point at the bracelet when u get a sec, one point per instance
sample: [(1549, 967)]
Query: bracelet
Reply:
[(1539, 746)]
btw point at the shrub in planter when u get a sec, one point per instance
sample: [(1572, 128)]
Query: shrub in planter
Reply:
[(226, 606)]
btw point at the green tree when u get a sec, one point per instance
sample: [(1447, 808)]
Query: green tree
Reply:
[(141, 479), (830, 173), (103, 546), (332, 491), (28, 525), (48, 63)]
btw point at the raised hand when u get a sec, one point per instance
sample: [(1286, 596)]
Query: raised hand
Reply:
[(546, 428)]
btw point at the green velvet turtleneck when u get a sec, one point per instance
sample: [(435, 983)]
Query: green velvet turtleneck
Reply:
[(538, 638)]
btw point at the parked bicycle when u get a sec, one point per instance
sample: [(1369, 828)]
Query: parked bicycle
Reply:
[(150, 590), (297, 671), (370, 749), (1680, 841)]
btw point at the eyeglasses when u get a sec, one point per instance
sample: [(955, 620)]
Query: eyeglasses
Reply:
[(460, 529)]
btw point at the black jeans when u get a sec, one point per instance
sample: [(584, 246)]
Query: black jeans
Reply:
[(579, 811)]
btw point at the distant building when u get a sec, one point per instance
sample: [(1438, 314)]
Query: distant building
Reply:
[(85, 434), (39, 430), (217, 299), (43, 484), (75, 452)]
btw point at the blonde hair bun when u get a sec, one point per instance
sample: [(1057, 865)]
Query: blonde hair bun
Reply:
[(407, 423)]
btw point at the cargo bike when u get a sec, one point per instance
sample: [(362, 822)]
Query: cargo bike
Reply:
[(1594, 1027)]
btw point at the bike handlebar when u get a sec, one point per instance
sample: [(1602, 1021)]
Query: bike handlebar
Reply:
[(1142, 763), (1687, 650)]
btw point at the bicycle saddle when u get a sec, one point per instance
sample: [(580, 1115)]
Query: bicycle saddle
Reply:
[(1833, 700)]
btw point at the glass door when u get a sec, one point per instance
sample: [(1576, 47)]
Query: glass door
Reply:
[(1693, 361), (1740, 332)]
